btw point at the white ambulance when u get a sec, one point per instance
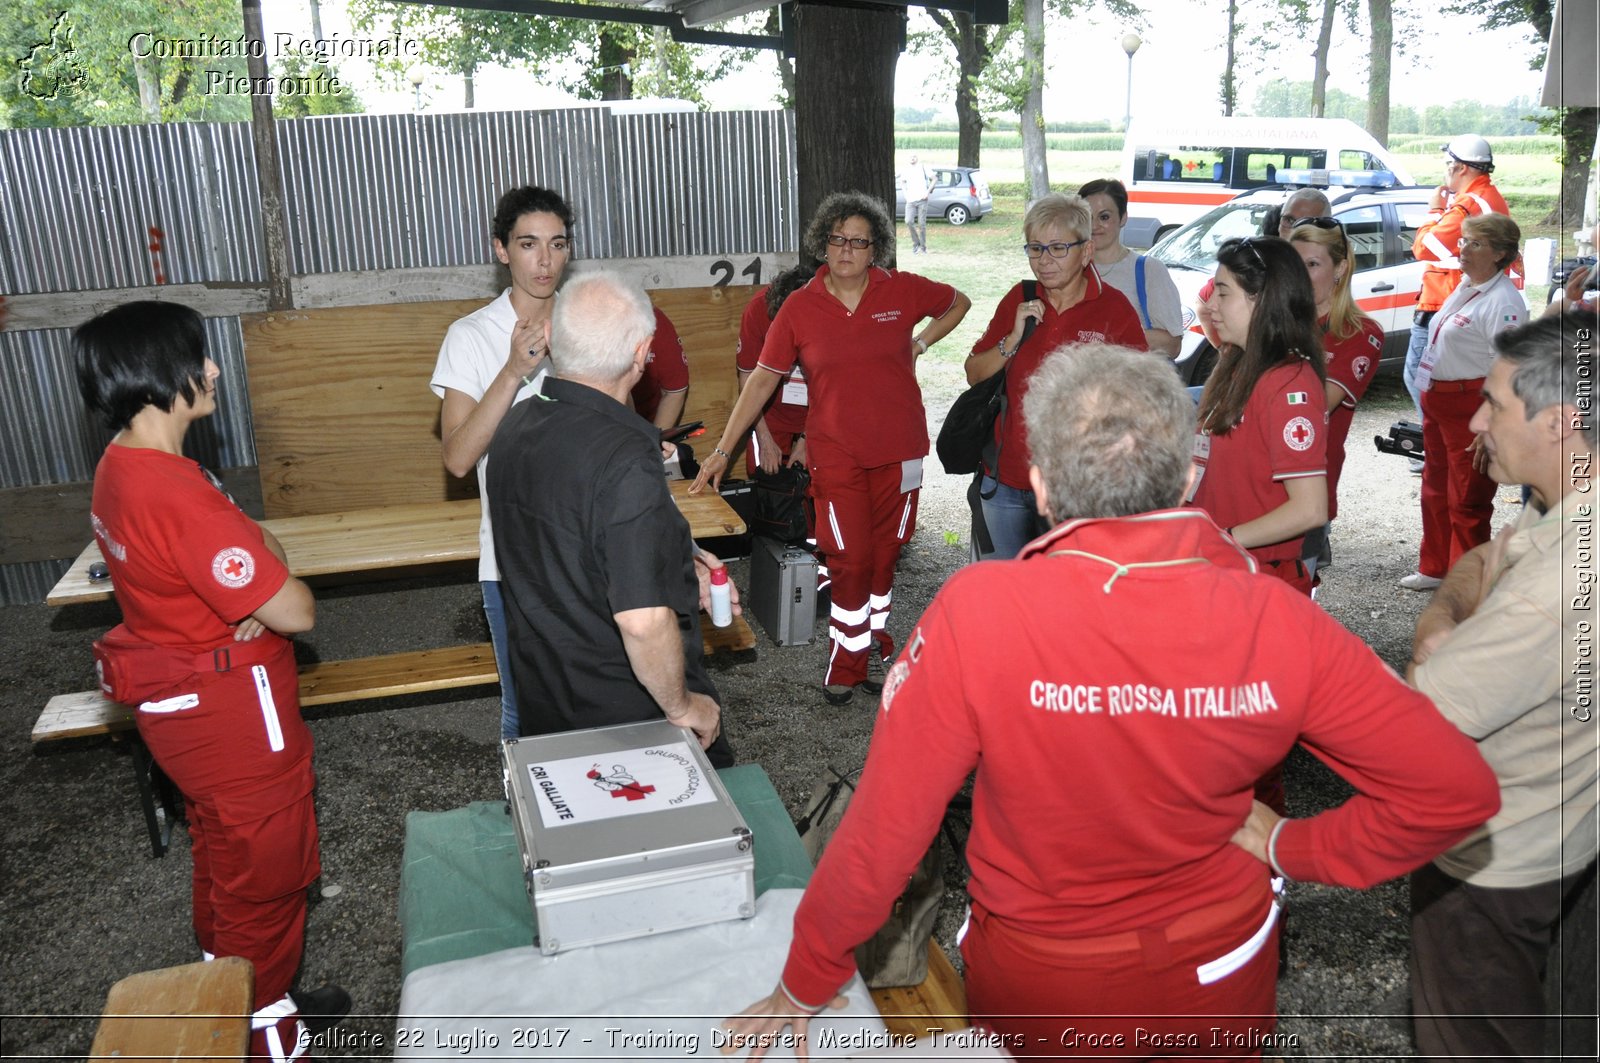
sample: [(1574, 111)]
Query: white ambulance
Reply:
[(1177, 171)]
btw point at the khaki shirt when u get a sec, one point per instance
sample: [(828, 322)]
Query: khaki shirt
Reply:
[(1518, 677)]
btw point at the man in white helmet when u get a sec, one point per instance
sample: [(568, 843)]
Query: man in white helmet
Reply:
[(1466, 191)]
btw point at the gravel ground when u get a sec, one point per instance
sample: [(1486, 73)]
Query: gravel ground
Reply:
[(86, 905)]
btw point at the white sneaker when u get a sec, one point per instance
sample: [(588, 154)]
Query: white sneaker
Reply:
[(1418, 582), (1416, 466)]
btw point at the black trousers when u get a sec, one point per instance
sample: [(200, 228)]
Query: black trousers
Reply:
[(1478, 964)]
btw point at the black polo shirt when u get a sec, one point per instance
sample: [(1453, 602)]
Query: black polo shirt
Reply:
[(584, 528)]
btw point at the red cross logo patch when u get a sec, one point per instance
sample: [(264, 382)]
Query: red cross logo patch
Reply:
[(620, 783), (233, 567), (1360, 366), (1299, 434)]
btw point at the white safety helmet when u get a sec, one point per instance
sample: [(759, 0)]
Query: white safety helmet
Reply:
[(1472, 150)]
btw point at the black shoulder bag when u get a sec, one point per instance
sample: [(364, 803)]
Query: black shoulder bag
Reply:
[(966, 440)]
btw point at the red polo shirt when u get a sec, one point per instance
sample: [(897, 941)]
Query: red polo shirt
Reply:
[(780, 416), (1351, 363), (866, 407), (1103, 315), (666, 371), (1283, 435)]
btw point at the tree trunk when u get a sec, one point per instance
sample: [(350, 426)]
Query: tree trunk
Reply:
[(1319, 77), (844, 111), (1579, 126), (1034, 165), (149, 87), (468, 93), (1380, 13), (974, 46), (616, 58), (1227, 67), (316, 20)]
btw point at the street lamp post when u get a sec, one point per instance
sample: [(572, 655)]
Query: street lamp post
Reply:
[(1130, 44), (416, 75)]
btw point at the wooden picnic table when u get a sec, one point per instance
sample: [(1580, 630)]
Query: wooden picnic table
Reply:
[(366, 540)]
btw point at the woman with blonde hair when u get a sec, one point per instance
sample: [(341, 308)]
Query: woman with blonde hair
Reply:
[(1352, 342)]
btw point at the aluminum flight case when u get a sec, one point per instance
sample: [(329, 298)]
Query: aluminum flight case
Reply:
[(625, 831), (783, 591)]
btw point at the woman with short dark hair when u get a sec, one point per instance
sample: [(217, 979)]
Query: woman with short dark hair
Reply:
[(207, 601), (1142, 279), (1457, 491), (854, 329)]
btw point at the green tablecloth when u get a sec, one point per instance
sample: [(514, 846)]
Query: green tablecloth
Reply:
[(461, 889)]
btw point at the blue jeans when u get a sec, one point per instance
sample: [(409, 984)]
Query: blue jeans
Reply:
[(494, 609), (1414, 353), (1012, 518)]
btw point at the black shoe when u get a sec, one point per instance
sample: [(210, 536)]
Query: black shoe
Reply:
[(838, 695), (876, 667), (321, 1008), (871, 686)]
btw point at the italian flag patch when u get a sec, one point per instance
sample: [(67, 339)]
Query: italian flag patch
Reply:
[(1297, 398)]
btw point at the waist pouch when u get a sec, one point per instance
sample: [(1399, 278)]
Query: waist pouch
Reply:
[(131, 670)]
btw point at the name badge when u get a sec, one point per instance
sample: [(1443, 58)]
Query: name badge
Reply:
[(795, 392), (910, 475), (1201, 455)]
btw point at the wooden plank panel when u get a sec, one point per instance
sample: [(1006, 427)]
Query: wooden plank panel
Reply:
[(194, 1012), (343, 415), (940, 1002), (344, 418)]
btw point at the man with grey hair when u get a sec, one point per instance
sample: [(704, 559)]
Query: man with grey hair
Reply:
[(1118, 689), (1306, 203), (602, 580), (1505, 650)]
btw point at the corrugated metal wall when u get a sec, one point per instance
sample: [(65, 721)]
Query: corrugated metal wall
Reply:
[(118, 207)]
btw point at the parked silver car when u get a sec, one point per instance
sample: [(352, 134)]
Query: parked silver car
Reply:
[(959, 195)]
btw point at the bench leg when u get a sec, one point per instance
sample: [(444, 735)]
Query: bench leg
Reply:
[(154, 786)]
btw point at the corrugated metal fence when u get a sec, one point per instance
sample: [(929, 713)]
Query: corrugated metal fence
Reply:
[(130, 206)]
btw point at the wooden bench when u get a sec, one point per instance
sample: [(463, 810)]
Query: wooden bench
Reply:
[(88, 713), (197, 1011)]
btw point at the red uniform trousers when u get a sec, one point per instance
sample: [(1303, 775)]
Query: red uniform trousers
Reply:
[(1135, 995), (1457, 500), (252, 823), (863, 519)]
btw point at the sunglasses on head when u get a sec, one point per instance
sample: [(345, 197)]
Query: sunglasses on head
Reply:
[(1248, 243), (1320, 223)]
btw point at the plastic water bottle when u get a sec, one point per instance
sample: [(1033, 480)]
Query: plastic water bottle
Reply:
[(721, 600)]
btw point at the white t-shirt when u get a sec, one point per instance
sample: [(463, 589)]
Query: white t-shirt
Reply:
[(915, 180), (474, 350), (1161, 295), (1461, 335)]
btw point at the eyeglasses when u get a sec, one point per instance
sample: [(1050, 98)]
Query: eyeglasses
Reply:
[(860, 243), (1320, 223), (1057, 250)]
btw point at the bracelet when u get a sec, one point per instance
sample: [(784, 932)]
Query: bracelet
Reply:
[(1272, 848), (1003, 352), (920, 342), (724, 453)]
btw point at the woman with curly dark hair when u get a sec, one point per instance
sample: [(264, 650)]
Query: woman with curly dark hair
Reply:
[(853, 328), (1261, 449)]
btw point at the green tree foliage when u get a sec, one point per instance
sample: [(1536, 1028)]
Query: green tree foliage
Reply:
[(73, 65), (612, 60), (1280, 98), (330, 96)]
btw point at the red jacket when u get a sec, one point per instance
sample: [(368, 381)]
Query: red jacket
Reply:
[(1119, 689), (1438, 238)]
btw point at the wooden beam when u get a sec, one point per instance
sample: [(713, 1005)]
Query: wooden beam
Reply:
[(269, 177), (48, 310)]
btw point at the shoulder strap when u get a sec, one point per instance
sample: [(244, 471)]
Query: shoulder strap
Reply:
[(1144, 302), (1030, 292)]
